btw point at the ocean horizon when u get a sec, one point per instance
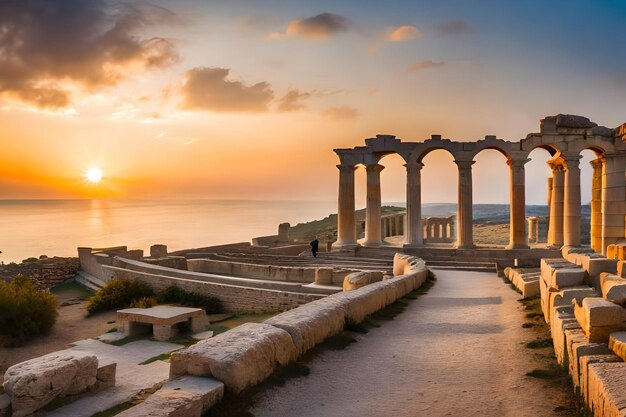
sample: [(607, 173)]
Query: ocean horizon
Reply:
[(56, 227)]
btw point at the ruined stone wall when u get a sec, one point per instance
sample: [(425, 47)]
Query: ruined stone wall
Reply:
[(234, 298), (46, 273)]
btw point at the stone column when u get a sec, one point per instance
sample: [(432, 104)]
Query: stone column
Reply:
[(413, 230), (464, 215), (571, 206), (383, 225), (550, 182), (533, 229), (555, 224), (451, 228), (613, 200), (346, 216), (373, 207), (517, 239), (596, 205)]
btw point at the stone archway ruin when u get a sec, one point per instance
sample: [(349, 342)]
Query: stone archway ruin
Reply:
[(564, 136)]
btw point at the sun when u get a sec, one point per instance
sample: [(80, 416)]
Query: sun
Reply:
[(94, 175)]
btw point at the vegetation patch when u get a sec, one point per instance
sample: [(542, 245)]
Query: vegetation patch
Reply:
[(539, 343), (528, 325), (177, 295), (162, 357), (118, 293), (25, 311)]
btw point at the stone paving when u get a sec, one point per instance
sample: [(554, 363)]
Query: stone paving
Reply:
[(459, 350), (131, 377)]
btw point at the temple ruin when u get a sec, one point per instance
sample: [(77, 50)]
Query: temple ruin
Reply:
[(563, 136)]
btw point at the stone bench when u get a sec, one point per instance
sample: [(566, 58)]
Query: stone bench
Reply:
[(163, 319)]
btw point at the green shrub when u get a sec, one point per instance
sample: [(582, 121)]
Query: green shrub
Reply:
[(24, 310), (118, 293), (144, 302), (176, 295)]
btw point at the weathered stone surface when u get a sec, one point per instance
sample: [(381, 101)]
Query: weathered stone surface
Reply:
[(105, 376), (567, 277), (617, 343), (209, 389), (613, 288), (573, 121), (578, 348), (167, 403), (34, 383), (310, 324), (585, 361), (240, 357), (599, 317), (324, 276), (606, 392), (360, 279)]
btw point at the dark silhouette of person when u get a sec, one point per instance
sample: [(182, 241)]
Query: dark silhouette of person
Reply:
[(315, 247)]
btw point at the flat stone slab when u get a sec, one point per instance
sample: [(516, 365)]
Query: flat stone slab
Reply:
[(111, 337), (161, 312)]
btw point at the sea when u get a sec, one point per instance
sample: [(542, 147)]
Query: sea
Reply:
[(31, 228)]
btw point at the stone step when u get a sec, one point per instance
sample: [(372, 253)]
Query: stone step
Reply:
[(89, 281), (491, 269), (460, 263)]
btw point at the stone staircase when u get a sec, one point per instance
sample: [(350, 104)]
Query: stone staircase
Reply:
[(453, 265), (89, 281)]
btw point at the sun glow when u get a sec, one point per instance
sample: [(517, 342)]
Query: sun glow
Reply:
[(94, 175)]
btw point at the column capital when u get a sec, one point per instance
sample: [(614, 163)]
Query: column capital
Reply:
[(464, 164), (412, 166), (374, 168), (572, 161), (597, 163), (517, 163), (556, 164), (346, 168)]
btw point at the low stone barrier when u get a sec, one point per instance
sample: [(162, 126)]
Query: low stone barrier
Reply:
[(587, 324), (526, 280), (357, 280), (45, 272), (247, 354)]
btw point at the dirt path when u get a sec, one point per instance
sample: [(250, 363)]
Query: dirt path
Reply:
[(71, 325), (457, 351)]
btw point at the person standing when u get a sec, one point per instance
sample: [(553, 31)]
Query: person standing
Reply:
[(315, 245)]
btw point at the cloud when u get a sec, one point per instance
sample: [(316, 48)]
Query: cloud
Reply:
[(292, 101), (341, 113), (423, 65), (46, 47), (402, 33), (454, 27), (320, 27), (208, 89)]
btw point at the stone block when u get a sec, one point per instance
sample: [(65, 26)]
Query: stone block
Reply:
[(564, 297), (598, 318), (167, 403), (606, 381), (617, 343), (613, 288), (240, 357), (578, 348), (309, 324), (324, 276), (621, 269), (585, 361), (36, 382), (158, 251), (563, 317), (595, 266), (566, 277), (357, 280), (105, 376)]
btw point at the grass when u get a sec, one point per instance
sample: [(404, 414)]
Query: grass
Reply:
[(129, 339), (539, 343), (162, 357)]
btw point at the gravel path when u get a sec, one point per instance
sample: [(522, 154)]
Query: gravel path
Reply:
[(457, 351)]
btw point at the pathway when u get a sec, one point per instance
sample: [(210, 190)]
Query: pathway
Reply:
[(457, 351)]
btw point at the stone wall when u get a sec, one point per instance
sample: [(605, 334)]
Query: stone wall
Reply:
[(233, 298), (46, 273)]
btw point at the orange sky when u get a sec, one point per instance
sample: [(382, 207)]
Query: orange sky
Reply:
[(222, 100)]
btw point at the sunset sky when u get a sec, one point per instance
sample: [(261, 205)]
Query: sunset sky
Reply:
[(243, 99)]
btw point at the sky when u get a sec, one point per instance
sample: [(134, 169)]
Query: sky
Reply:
[(245, 99)]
